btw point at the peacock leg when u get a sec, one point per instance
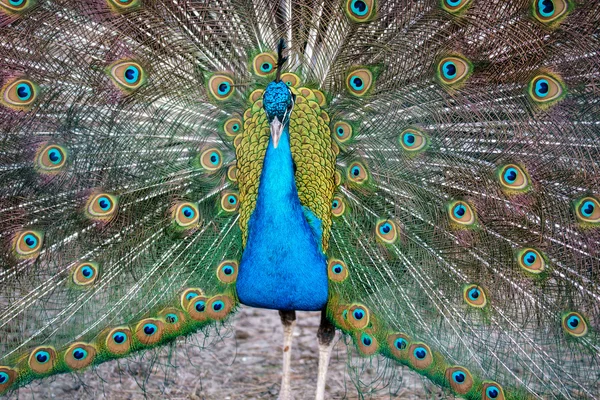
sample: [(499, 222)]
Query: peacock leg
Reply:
[(288, 319), (325, 334)]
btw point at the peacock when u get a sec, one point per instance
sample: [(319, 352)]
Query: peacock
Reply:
[(425, 173)]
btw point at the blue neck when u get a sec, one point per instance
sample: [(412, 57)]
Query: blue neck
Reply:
[(282, 266)]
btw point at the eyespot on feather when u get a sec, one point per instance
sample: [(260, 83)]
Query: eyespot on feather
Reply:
[(127, 75), (101, 206), (227, 271), (211, 159), (220, 87), (339, 317), (492, 391), (386, 231), (475, 296), (338, 206), (550, 12), (218, 307), (50, 158), (8, 377), (230, 202), (121, 6), (186, 214), (513, 177), (264, 64), (149, 331), (337, 270), (360, 10), (420, 356), (461, 213), (342, 131), (455, 6), (357, 173), (453, 70), (85, 274), (545, 89), (27, 243), (358, 316), (80, 355), (359, 81), (574, 324), (460, 379), (196, 308), (187, 295), (16, 7), (398, 344), (233, 127), (42, 359), (118, 340), (366, 342), (291, 79), (19, 94), (587, 210), (531, 260), (412, 140), (173, 318)]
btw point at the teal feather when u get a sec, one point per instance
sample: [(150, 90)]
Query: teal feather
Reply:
[(488, 106)]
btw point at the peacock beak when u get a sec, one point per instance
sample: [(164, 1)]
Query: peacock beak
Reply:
[(276, 129)]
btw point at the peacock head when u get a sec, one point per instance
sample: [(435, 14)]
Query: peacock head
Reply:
[(278, 99)]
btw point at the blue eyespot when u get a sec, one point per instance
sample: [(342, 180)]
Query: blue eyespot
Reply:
[(200, 306), (54, 156), (235, 127), (409, 139), (546, 8), (359, 7), (30, 240), (337, 269), (79, 353), (335, 204), (356, 83), (171, 318), (420, 353), (228, 269), (224, 88), (542, 87), (188, 212), (218, 305), (474, 294), (460, 211), (266, 67), (386, 228), (150, 329), (356, 171), (510, 175), (87, 272), (400, 343), (449, 69), (104, 203), (358, 314), (492, 392), (587, 209), (4, 378), (453, 3), (214, 158), (190, 296), (16, 3), (24, 91), (458, 377), (132, 74), (573, 322), (119, 337), (42, 356), (340, 131), (529, 258), (366, 339), (231, 199)]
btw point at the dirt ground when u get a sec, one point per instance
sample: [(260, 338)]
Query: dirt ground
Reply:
[(244, 362)]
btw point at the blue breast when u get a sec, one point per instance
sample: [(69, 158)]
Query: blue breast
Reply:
[(282, 266)]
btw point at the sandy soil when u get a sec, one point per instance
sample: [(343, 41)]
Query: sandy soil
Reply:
[(243, 362)]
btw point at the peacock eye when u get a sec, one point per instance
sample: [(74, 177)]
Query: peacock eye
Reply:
[(200, 305), (171, 318), (233, 127), (190, 296), (455, 6), (150, 329), (358, 82), (85, 274), (227, 271), (291, 79), (360, 10), (458, 377), (574, 324), (453, 70), (28, 243), (462, 213), (218, 305), (264, 64), (474, 296), (102, 206), (19, 94), (4, 378), (42, 357), (545, 89), (420, 353), (119, 337), (531, 260), (357, 173), (412, 140), (229, 202), (366, 339), (220, 87), (588, 210), (343, 131), (127, 75), (400, 343), (492, 391), (185, 214), (50, 158), (211, 159), (79, 353), (337, 270), (549, 11)]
